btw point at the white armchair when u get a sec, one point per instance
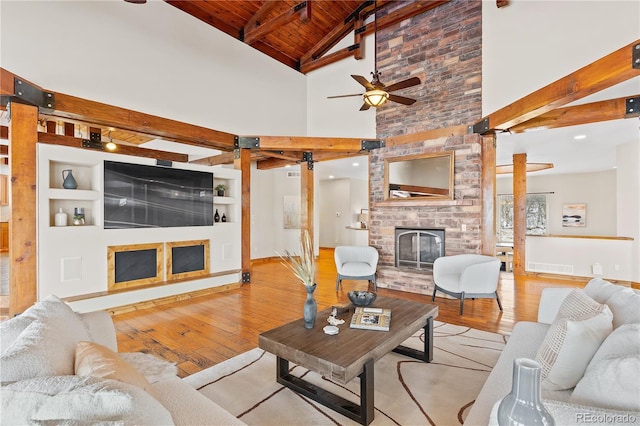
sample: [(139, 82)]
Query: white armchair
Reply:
[(356, 263), (467, 276)]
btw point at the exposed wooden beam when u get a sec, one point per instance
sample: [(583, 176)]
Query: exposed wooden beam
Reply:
[(318, 156), (613, 109), (256, 33), (426, 135), (4, 133), (23, 241), (307, 143), (96, 113), (256, 19), (4, 149), (224, 158), (336, 56), (54, 139), (599, 75), (327, 42)]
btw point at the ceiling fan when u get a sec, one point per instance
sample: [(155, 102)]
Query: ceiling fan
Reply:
[(378, 93)]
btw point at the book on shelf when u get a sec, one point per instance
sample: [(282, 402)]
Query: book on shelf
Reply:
[(371, 319)]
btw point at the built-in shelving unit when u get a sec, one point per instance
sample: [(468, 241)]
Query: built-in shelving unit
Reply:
[(72, 260)]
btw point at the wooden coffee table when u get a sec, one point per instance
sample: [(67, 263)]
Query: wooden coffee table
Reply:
[(348, 354)]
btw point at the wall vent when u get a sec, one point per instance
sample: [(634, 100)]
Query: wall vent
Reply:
[(550, 267), (293, 174)]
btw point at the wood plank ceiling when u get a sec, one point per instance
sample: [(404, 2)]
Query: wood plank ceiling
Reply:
[(300, 33)]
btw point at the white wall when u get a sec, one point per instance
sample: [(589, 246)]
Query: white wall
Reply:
[(628, 193), (152, 58), (596, 190), (529, 44), (340, 117)]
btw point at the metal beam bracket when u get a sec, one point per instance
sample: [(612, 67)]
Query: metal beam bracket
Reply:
[(481, 127), (635, 56), (236, 153), (632, 107), (308, 157), (300, 6), (246, 142), (369, 144), (95, 136), (246, 277), (92, 144), (31, 95)]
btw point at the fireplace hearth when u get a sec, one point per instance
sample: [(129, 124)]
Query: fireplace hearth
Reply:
[(418, 248)]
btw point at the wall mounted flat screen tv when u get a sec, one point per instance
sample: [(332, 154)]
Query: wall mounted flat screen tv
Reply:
[(141, 196)]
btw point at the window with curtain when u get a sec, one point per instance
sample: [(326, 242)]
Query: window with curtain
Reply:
[(536, 216)]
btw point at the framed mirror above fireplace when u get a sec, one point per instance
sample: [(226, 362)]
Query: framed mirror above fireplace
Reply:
[(422, 176)]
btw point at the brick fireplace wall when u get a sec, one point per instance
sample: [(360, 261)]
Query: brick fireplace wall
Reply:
[(443, 47)]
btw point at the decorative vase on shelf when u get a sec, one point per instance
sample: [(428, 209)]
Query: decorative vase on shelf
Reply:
[(68, 181), (310, 307), (523, 405), (60, 218), (224, 217), (216, 216)]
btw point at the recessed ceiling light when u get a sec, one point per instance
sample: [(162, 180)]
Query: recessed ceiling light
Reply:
[(355, 164), (330, 176), (577, 137)]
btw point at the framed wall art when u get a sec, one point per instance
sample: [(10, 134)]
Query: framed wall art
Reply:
[(574, 215)]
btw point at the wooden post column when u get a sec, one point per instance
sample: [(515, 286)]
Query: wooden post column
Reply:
[(488, 236), (242, 161), (306, 198), (519, 212), (23, 136)]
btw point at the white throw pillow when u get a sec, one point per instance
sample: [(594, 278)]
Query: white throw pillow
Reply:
[(601, 290), (96, 360), (79, 400), (612, 379), (580, 327), (625, 306), (612, 382), (47, 346), (10, 330)]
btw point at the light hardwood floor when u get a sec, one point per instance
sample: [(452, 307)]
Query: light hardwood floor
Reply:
[(200, 332)]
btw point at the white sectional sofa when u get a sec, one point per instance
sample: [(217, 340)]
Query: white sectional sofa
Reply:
[(47, 378), (594, 376)]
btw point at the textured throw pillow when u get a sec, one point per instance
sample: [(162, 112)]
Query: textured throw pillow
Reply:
[(46, 347), (10, 330), (96, 360), (580, 327), (42, 349), (79, 400), (612, 379), (612, 382)]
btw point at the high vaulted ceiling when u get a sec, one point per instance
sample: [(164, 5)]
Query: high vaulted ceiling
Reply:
[(300, 33)]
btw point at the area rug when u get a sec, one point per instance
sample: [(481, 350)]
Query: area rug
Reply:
[(407, 391)]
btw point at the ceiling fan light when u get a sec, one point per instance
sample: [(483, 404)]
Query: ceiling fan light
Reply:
[(375, 97)]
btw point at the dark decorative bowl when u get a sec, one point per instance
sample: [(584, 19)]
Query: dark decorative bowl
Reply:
[(361, 298)]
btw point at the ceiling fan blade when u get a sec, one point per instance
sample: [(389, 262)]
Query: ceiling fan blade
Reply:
[(365, 106), (401, 99), (413, 81), (343, 96), (360, 79)]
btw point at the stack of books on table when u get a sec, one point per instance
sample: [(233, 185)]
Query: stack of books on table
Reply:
[(371, 319)]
